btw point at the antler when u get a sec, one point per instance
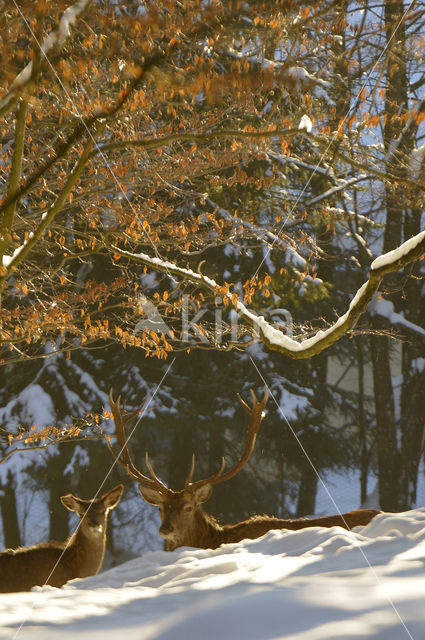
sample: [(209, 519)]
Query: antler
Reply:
[(123, 457), (256, 413)]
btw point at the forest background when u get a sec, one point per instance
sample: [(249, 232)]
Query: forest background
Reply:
[(192, 196)]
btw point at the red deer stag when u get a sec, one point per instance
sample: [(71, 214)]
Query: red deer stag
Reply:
[(183, 521), (55, 563)]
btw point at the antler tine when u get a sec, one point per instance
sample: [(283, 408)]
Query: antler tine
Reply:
[(190, 474), (129, 415), (152, 472), (123, 457), (256, 413), (245, 405), (211, 480), (256, 416)]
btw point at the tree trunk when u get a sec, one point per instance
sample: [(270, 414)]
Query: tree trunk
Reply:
[(388, 455), (361, 417), (412, 409), (59, 521), (395, 107), (9, 513), (307, 491)]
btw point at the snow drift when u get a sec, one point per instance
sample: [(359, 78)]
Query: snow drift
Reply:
[(315, 584)]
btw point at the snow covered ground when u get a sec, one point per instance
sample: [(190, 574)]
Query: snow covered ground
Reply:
[(314, 584)]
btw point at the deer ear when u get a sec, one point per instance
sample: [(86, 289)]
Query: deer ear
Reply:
[(70, 502), (153, 496), (203, 493), (111, 499)]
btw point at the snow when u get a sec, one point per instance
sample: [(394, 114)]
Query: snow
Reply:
[(291, 404), (337, 188), (298, 76), (32, 405), (7, 260), (38, 405), (80, 459), (416, 161), (385, 309), (399, 252), (320, 584), (306, 123), (418, 365), (273, 335)]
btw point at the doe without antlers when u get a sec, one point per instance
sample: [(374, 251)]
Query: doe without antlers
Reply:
[(183, 521), (55, 563)]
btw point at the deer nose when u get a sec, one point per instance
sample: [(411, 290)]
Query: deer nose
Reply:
[(96, 525), (166, 528)]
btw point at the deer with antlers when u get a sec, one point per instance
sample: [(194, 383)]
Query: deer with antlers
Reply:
[(184, 522)]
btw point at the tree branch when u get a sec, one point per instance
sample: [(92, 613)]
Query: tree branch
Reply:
[(411, 250), (154, 143), (48, 217), (56, 39), (15, 175), (108, 113)]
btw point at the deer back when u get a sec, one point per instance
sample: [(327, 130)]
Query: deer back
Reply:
[(200, 529), (23, 568), (257, 526)]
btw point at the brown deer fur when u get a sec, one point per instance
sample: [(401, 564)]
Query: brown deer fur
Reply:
[(55, 563), (184, 523)]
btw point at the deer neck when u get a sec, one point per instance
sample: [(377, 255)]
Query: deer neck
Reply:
[(205, 532), (208, 532), (89, 549)]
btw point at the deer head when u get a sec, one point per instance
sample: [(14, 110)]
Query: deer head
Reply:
[(180, 510), (93, 513)]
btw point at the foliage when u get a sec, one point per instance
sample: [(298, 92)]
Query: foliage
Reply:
[(157, 194), (161, 130)]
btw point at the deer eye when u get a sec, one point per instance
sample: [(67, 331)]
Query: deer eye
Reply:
[(187, 508)]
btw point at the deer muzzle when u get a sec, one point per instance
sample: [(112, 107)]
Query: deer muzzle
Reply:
[(95, 526), (166, 528)]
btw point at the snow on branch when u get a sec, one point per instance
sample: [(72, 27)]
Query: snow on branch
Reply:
[(55, 39), (343, 184), (292, 76), (394, 256), (411, 250), (385, 309)]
